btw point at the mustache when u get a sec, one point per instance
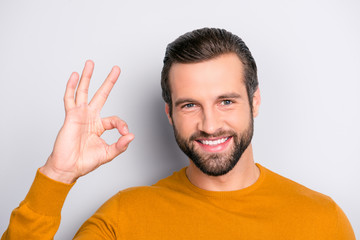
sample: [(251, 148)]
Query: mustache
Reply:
[(218, 133)]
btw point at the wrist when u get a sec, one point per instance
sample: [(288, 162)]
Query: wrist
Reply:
[(58, 175)]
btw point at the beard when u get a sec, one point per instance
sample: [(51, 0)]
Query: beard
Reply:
[(216, 164)]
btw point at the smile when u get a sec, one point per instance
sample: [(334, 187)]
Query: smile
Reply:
[(213, 142)]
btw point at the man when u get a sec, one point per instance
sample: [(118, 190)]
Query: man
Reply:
[(210, 87)]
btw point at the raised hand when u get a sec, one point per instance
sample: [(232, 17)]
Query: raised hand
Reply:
[(78, 148)]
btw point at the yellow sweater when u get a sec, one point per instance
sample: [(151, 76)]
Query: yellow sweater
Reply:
[(272, 208)]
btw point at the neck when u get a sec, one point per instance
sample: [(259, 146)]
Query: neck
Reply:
[(244, 174)]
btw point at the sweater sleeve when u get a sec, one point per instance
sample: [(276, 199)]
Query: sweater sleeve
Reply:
[(104, 223), (344, 229), (38, 216)]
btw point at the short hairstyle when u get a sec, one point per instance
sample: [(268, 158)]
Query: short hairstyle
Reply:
[(205, 44)]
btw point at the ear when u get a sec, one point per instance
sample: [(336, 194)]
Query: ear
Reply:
[(256, 102), (167, 111)]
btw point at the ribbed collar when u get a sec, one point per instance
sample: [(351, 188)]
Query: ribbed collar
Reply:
[(223, 194)]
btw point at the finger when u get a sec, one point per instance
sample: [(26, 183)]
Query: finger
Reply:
[(115, 122), (120, 146), (83, 88), (103, 92), (69, 100)]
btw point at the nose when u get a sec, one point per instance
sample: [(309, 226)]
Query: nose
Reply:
[(210, 121)]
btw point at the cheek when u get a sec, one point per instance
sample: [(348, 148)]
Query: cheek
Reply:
[(185, 126), (238, 120)]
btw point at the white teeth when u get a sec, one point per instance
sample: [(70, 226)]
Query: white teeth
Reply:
[(212, 143)]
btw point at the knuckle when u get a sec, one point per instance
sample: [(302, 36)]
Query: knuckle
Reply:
[(83, 90), (104, 95)]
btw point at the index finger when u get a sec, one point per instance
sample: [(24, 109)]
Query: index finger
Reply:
[(103, 92)]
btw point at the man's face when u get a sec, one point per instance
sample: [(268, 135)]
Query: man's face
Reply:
[(211, 117)]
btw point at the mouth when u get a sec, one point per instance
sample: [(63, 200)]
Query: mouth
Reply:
[(213, 142), (214, 145)]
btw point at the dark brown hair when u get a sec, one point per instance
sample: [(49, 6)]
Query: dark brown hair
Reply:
[(204, 44)]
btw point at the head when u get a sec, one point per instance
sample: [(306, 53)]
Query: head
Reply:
[(205, 44), (209, 84)]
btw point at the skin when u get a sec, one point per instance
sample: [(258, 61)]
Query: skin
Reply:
[(210, 96), (78, 148)]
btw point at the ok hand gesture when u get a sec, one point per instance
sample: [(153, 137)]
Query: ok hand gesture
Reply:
[(78, 148)]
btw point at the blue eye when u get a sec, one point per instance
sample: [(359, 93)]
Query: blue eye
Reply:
[(226, 102), (189, 105)]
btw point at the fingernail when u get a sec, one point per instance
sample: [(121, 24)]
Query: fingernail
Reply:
[(126, 130)]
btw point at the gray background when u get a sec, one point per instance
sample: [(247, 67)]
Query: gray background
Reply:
[(308, 55)]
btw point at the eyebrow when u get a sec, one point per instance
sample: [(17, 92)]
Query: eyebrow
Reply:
[(231, 95)]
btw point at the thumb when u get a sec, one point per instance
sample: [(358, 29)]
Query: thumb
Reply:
[(120, 146)]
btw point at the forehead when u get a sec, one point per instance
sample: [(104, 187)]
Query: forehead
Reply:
[(210, 78)]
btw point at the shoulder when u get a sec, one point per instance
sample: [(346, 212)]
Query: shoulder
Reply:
[(297, 194), (314, 209)]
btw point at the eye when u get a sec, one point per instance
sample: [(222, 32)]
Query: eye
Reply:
[(188, 105), (226, 102)]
